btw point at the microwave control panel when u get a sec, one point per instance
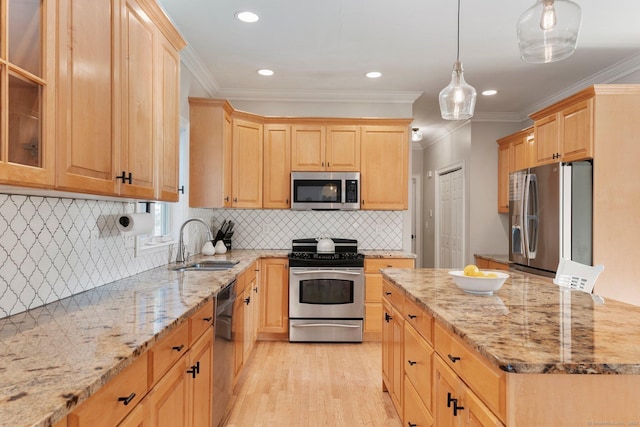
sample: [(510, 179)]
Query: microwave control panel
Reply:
[(351, 191)]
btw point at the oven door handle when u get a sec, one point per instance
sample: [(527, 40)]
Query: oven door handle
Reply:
[(321, 325), (352, 273)]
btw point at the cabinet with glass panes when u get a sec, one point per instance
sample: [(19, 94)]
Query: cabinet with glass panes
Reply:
[(26, 98)]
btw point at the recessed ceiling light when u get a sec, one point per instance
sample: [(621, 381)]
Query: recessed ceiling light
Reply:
[(373, 74), (489, 92), (265, 72), (246, 16)]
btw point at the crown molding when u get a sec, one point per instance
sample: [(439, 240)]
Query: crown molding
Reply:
[(499, 117), (337, 96), (192, 61), (608, 75)]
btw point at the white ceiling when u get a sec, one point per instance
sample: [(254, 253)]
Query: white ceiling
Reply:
[(321, 50)]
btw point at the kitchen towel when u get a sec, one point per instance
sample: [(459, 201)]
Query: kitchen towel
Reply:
[(135, 224)]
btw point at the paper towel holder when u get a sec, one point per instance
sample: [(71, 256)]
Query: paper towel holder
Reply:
[(147, 206)]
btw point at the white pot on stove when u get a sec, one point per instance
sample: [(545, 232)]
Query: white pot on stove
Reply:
[(325, 246)]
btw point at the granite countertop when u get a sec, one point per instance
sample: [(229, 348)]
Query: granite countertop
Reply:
[(54, 357), (530, 325), (501, 258), (386, 254)]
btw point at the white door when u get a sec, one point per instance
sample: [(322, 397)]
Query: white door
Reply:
[(450, 221)]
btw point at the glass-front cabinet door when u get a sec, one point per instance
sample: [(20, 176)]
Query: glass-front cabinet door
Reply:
[(26, 93)]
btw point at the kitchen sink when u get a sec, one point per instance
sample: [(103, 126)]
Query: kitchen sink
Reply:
[(208, 265)]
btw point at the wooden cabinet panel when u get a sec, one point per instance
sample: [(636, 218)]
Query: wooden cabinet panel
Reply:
[(210, 153), (504, 167), (88, 102), (105, 407), (200, 321), (445, 388), (419, 319), (138, 141), (343, 148), (277, 166), (246, 164), (374, 265), (308, 147), (167, 403), (415, 412), (372, 324), (135, 418), (418, 356), (521, 151), (392, 354), (274, 313), (384, 171), (167, 106), (475, 413), (168, 350), (200, 379), (547, 136), (577, 131), (237, 332), (393, 294)]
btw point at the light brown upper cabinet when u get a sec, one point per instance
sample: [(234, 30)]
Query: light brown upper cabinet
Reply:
[(514, 154), (210, 153), (565, 135), (277, 166), (28, 98), (385, 168), (110, 127), (246, 164), (317, 147)]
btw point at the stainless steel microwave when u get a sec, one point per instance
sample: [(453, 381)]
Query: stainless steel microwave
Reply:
[(325, 190)]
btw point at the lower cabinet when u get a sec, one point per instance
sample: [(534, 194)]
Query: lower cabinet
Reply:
[(167, 403), (487, 264), (274, 299), (200, 377), (433, 379)]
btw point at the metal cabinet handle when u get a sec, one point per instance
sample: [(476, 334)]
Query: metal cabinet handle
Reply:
[(410, 424), (412, 316), (195, 369), (207, 319), (411, 362), (127, 400), (178, 347), (387, 317), (247, 300), (453, 359), (387, 293)]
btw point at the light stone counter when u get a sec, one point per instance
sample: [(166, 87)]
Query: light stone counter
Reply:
[(54, 357), (531, 325), (387, 254)]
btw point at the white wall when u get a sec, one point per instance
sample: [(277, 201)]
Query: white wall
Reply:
[(473, 145)]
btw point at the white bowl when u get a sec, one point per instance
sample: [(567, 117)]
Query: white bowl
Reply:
[(479, 285)]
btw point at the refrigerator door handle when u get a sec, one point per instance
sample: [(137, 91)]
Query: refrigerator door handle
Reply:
[(532, 217), (524, 216)]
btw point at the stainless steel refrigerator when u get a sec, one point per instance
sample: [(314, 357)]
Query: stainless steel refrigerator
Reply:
[(551, 211)]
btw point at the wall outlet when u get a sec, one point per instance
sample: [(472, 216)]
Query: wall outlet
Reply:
[(93, 243), (129, 241)]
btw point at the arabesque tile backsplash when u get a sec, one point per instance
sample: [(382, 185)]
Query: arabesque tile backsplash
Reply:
[(51, 248)]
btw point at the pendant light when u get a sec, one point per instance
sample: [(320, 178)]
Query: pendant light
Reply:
[(548, 31), (458, 99)]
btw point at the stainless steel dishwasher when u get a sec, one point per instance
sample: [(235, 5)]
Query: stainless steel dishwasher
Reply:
[(223, 353)]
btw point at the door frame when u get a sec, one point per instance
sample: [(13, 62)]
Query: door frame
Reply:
[(439, 172), (415, 201)]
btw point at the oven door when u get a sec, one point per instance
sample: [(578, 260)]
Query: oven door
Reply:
[(326, 293)]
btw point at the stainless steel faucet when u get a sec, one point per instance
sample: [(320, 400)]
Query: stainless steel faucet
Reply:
[(180, 255)]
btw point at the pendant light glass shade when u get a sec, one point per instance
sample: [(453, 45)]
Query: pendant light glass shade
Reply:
[(458, 99), (548, 31)]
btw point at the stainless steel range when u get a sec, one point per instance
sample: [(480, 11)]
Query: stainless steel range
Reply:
[(326, 291)]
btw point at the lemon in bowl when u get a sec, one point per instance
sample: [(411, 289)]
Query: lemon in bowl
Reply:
[(477, 282)]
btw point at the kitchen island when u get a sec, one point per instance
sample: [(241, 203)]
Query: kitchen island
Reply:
[(559, 357)]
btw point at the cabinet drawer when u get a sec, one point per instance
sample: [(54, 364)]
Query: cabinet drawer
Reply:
[(104, 408), (376, 264), (200, 321), (488, 382), (418, 357), (372, 287), (250, 274), (419, 319), (415, 413), (168, 350), (393, 294)]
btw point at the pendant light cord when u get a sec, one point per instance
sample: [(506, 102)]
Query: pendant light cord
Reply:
[(458, 49)]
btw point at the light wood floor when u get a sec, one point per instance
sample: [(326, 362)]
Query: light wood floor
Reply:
[(300, 384)]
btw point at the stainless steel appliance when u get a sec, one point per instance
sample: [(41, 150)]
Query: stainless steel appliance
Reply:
[(223, 354), (551, 209), (325, 190), (326, 292)]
